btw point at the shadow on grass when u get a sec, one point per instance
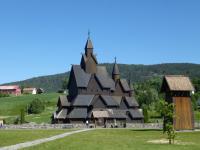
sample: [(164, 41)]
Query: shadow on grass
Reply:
[(146, 130)]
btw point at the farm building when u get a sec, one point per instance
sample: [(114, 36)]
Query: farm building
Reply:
[(95, 97), (30, 91), (10, 89), (178, 90), (33, 91)]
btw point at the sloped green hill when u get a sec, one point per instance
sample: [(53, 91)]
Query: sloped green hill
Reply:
[(10, 107), (137, 73)]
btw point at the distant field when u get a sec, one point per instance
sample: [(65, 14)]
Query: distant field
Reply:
[(121, 139), (11, 137), (10, 107)]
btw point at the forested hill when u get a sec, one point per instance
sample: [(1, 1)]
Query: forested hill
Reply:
[(137, 73)]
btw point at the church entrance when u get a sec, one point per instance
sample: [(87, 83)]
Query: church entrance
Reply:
[(100, 118)]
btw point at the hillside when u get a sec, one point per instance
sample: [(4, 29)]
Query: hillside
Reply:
[(10, 107), (137, 73)]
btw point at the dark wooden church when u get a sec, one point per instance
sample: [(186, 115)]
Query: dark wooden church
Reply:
[(95, 97)]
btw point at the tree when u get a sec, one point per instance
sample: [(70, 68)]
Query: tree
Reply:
[(36, 106), (64, 84), (22, 116), (146, 115), (168, 114)]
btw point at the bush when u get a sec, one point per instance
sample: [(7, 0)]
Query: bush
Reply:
[(168, 112), (36, 106), (17, 120), (4, 95)]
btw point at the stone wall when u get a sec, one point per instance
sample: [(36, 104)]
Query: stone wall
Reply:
[(68, 126), (144, 125)]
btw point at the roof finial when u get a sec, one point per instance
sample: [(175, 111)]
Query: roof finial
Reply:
[(115, 59), (88, 33)]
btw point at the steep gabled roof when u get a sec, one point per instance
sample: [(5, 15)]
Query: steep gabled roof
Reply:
[(109, 100), (117, 114), (84, 58), (118, 99), (83, 100), (177, 83), (62, 114), (104, 79), (131, 101), (115, 69), (63, 101), (78, 113), (82, 78), (125, 85), (88, 44), (135, 114)]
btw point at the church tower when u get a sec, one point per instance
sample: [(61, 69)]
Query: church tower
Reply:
[(115, 72), (89, 61)]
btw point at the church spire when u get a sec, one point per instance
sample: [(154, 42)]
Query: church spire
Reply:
[(115, 72), (88, 46), (89, 61)]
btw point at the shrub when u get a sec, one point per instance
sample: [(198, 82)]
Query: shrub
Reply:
[(168, 127), (4, 95), (36, 106), (17, 120)]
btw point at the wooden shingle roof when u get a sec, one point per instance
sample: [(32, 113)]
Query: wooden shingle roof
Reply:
[(62, 114), (63, 101), (125, 85), (78, 113), (131, 101), (177, 83), (135, 113), (83, 100), (104, 79), (88, 44), (109, 100), (82, 78)]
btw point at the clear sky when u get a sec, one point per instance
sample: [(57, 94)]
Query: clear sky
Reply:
[(42, 37)]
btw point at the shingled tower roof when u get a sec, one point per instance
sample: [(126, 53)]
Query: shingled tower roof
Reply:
[(115, 68), (88, 44), (115, 72)]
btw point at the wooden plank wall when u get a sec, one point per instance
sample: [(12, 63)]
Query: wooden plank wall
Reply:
[(183, 113)]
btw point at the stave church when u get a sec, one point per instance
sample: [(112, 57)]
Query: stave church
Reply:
[(95, 97)]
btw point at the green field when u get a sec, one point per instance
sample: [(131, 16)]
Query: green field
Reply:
[(10, 107), (11, 137), (121, 139)]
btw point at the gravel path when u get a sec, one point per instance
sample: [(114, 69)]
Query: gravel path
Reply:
[(40, 141)]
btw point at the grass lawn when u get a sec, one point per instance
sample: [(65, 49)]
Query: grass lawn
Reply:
[(121, 139), (10, 137), (10, 107)]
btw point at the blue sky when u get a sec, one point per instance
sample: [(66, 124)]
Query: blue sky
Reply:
[(42, 37)]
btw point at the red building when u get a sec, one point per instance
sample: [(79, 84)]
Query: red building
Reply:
[(10, 89)]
